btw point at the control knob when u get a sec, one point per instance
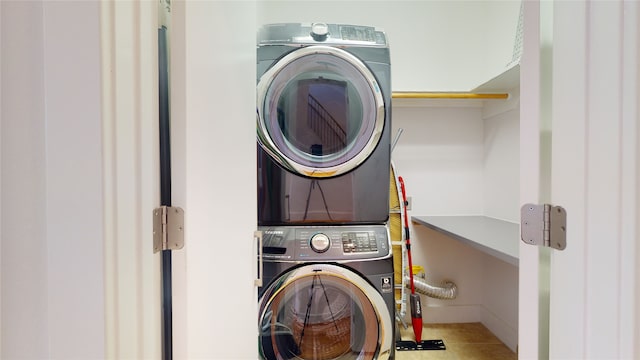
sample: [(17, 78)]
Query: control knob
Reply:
[(319, 31), (320, 243)]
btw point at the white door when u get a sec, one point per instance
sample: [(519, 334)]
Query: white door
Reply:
[(580, 303), (214, 178)]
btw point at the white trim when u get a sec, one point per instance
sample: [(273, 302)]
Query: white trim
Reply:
[(529, 259), (630, 180), (503, 331), (131, 178), (1, 86), (450, 313), (636, 316), (568, 322)]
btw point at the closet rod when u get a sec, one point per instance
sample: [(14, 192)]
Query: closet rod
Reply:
[(446, 95)]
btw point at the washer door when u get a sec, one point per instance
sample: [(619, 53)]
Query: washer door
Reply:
[(320, 111), (323, 312)]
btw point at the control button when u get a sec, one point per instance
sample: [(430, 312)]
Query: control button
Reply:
[(319, 31), (320, 243)]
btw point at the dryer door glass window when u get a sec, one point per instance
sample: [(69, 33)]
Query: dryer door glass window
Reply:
[(318, 316), (321, 112)]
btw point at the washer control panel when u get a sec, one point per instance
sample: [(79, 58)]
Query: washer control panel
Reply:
[(359, 241), (325, 243)]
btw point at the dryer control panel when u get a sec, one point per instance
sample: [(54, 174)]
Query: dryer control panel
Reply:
[(326, 243), (321, 33)]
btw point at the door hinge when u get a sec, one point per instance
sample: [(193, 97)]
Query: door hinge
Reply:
[(168, 228), (544, 225), (257, 236)]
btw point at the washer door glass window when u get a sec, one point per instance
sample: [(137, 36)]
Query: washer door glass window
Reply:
[(319, 315), (320, 111)]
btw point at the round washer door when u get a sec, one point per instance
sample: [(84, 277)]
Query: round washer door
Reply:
[(320, 111), (323, 312)]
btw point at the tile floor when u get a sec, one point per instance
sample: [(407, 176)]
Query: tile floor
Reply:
[(468, 341)]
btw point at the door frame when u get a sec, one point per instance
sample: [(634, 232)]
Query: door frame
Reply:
[(592, 286)]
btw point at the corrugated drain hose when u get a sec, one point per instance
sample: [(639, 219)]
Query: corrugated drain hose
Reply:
[(448, 291)]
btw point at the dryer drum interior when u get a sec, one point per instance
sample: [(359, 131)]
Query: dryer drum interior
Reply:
[(319, 315), (323, 125), (320, 113)]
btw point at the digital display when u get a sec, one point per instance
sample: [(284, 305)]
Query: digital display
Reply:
[(358, 33), (358, 242)]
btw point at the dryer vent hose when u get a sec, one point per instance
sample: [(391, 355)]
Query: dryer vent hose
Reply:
[(448, 291)]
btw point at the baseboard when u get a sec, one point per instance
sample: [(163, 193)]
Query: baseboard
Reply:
[(450, 314), (507, 333)]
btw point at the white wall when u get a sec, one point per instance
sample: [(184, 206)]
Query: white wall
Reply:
[(444, 258), (501, 199), (499, 310), (435, 45), (487, 287), (440, 155), (23, 241), (501, 164), (461, 157), (500, 30), (52, 277)]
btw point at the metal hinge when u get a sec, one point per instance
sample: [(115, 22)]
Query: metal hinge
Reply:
[(168, 228), (257, 236), (544, 225)]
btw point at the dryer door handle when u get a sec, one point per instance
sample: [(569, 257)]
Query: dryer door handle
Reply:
[(257, 235)]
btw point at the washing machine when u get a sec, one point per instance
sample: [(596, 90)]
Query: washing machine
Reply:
[(323, 124), (328, 293)]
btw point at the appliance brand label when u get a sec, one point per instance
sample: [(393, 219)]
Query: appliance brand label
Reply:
[(386, 284)]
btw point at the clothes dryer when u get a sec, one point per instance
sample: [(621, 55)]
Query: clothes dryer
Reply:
[(323, 124), (328, 293)]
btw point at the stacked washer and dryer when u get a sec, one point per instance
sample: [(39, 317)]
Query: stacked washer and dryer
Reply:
[(324, 123)]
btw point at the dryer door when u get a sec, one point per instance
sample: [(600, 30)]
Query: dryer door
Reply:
[(323, 312), (320, 111)]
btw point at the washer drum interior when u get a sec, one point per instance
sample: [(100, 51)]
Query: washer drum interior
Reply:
[(323, 312)]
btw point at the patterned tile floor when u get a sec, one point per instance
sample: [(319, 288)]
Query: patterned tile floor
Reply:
[(468, 341)]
